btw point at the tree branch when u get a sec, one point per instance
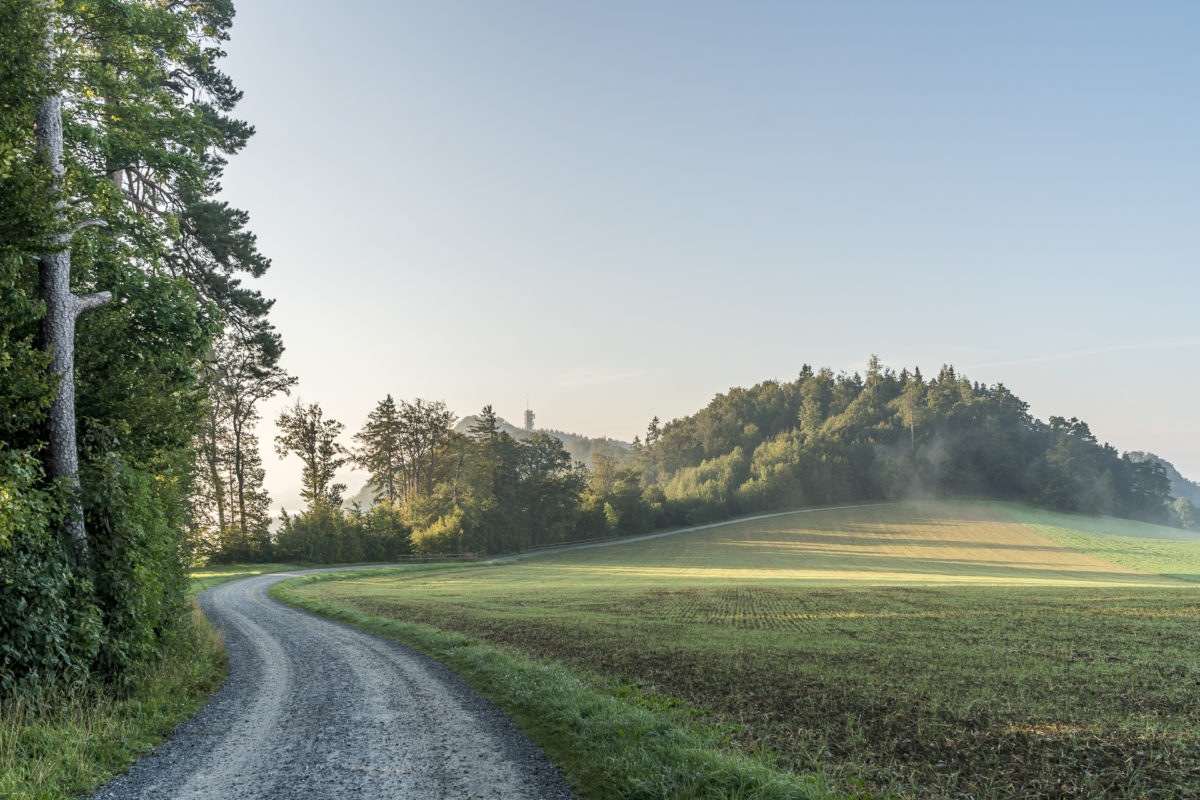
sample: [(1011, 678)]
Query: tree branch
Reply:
[(89, 301), (87, 223)]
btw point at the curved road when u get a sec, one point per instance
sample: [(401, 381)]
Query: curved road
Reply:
[(316, 709)]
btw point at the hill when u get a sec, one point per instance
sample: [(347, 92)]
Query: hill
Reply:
[(1180, 486), (581, 448), (827, 438)]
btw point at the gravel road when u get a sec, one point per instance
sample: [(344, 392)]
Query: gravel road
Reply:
[(316, 709)]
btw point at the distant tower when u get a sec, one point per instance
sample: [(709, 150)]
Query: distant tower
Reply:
[(528, 416)]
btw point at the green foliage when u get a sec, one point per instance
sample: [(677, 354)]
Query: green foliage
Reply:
[(325, 534), (305, 432), (147, 131), (613, 504), (495, 493), (65, 744), (230, 509), (448, 534), (137, 531), (827, 438), (50, 630)]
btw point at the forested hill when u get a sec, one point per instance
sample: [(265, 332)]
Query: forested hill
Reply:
[(1181, 487), (582, 448), (826, 438)]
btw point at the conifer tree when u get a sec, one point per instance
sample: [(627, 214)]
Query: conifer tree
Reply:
[(380, 449)]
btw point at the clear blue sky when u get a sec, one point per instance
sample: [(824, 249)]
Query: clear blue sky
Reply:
[(621, 209)]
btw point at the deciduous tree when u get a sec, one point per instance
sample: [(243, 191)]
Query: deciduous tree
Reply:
[(305, 432)]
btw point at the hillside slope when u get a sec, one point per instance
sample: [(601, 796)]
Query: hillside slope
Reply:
[(911, 542)]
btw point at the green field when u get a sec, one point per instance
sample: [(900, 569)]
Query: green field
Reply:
[(925, 649), (201, 578)]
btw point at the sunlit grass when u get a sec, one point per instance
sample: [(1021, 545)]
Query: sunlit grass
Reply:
[(1137, 545), (202, 578), (935, 649)]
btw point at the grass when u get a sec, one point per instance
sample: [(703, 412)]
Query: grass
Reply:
[(1137, 545), (206, 577), (59, 752), (930, 650)]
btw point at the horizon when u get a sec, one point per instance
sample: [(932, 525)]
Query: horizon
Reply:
[(622, 211)]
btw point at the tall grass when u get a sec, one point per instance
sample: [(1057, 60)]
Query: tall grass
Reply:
[(69, 744)]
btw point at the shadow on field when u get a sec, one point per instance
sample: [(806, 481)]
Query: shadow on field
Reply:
[(866, 540)]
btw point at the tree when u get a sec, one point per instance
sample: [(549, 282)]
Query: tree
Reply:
[(242, 372), (113, 137), (379, 451), (653, 432), (134, 130), (485, 425), (62, 309), (304, 431), (425, 429)]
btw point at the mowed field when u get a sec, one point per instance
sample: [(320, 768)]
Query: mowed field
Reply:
[(921, 649)]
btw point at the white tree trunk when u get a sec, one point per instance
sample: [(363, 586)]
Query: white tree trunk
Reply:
[(63, 307)]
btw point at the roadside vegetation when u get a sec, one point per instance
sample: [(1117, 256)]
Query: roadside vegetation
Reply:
[(121, 302), (929, 650), (67, 744), (64, 746)]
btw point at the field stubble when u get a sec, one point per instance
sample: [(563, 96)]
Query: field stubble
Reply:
[(1041, 673)]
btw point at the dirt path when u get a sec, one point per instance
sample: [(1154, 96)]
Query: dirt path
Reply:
[(316, 709)]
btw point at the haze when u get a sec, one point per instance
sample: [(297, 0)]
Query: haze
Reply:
[(622, 209)]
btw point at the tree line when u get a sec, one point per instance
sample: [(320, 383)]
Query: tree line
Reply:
[(132, 354), (436, 491), (821, 439)]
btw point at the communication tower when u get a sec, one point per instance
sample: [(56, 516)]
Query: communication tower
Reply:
[(528, 416)]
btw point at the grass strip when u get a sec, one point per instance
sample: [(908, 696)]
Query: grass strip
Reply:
[(201, 578), (1154, 549), (72, 744), (630, 746)]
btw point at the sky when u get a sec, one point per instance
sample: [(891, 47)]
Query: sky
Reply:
[(618, 210)]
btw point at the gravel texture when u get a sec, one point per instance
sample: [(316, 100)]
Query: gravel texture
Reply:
[(316, 709)]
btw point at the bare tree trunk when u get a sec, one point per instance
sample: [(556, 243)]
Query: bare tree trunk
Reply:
[(63, 307), (239, 470), (212, 459)]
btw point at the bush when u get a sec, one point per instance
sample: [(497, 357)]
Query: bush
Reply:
[(50, 630), (449, 534), (137, 558)]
